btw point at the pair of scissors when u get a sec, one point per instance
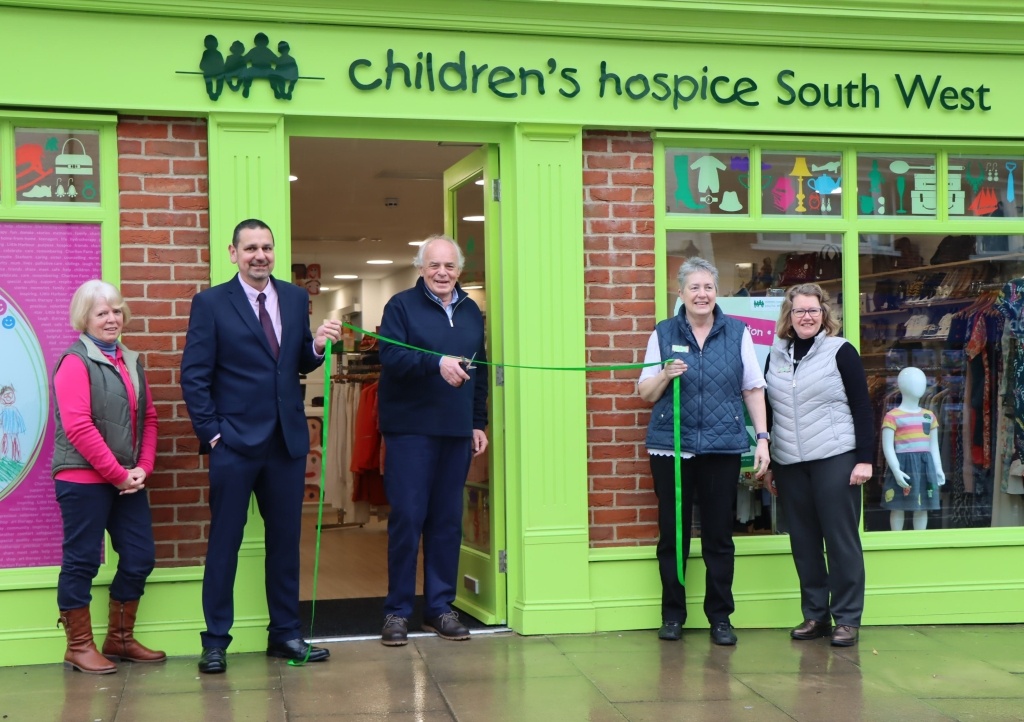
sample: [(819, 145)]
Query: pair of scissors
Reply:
[(469, 362)]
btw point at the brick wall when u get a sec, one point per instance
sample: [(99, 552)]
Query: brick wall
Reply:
[(618, 243), (165, 260)]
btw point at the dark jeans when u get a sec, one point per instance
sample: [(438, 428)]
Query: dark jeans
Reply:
[(88, 510), (823, 513), (712, 478), (424, 477)]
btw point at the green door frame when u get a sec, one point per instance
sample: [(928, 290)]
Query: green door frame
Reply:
[(490, 606), (487, 600)]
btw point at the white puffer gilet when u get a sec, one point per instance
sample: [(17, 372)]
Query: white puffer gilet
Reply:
[(811, 414)]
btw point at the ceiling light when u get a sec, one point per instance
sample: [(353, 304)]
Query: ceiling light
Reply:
[(416, 243), (346, 277), (472, 288), (379, 262), (480, 181), (292, 178), (473, 218), (325, 288)]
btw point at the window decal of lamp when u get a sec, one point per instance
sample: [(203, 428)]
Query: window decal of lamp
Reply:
[(800, 171)]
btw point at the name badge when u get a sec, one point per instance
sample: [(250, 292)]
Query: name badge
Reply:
[(676, 348)]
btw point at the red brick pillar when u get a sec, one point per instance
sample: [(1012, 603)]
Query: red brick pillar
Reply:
[(165, 260), (618, 245)]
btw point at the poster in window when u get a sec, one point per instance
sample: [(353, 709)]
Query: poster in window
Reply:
[(41, 265)]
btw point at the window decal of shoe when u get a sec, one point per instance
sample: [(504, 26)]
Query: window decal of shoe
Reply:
[(38, 191)]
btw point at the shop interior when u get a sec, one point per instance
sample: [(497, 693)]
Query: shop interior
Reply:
[(359, 210), (946, 304)]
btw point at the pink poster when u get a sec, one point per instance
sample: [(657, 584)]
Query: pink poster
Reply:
[(41, 265)]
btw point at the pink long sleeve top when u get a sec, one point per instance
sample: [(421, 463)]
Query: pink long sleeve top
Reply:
[(72, 392)]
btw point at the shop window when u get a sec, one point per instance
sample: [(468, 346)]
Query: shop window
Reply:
[(705, 181), (991, 187), (753, 272), (794, 184), (57, 166), (945, 301), (942, 307), (54, 234), (903, 186)]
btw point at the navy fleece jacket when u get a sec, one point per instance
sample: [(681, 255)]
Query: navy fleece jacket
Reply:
[(413, 398)]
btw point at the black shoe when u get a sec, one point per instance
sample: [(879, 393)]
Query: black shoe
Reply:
[(395, 632), (844, 636), (721, 634), (296, 649), (811, 629), (671, 631), (447, 626), (214, 660)]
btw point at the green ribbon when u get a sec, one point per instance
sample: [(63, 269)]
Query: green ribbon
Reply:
[(584, 369), (320, 505), (677, 459)]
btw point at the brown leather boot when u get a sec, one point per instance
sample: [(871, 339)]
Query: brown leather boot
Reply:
[(120, 643), (82, 653)]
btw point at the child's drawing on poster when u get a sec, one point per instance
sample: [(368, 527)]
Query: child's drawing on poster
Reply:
[(24, 401)]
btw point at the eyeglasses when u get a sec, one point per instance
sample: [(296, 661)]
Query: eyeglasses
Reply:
[(801, 312)]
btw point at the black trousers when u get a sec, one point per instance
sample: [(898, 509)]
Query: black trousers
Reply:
[(88, 510), (277, 481), (711, 479), (822, 510)]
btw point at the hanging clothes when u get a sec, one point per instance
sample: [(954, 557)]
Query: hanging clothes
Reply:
[(367, 445)]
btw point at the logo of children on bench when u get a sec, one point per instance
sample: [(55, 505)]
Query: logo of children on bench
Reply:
[(242, 67)]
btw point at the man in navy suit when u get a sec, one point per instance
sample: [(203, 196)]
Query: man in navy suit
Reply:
[(248, 340)]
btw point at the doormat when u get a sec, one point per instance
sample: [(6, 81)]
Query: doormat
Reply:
[(362, 616)]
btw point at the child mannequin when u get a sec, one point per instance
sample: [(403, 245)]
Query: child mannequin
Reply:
[(910, 442)]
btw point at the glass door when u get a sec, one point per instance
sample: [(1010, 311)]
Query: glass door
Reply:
[(472, 219)]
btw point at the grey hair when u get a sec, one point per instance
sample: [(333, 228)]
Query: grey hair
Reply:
[(418, 260), (86, 297), (695, 265)]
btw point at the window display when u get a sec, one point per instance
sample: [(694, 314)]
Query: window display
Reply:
[(947, 317), (940, 309), (707, 181)]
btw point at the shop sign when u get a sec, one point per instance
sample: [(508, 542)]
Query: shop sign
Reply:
[(459, 73), (245, 66)]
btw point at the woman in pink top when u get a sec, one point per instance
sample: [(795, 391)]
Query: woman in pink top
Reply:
[(104, 449)]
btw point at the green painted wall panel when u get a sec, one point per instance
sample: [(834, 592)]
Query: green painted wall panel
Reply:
[(548, 526)]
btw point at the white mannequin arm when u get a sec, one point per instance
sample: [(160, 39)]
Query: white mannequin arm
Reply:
[(940, 476), (889, 450)]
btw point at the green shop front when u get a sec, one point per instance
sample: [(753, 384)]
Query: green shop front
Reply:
[(579, 152)]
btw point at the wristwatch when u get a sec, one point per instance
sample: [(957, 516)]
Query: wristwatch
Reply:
[(763, 435)]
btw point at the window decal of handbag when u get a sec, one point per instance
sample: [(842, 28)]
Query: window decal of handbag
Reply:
[(73, 163)]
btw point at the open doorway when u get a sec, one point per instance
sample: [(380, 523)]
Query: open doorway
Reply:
[(358, 209)]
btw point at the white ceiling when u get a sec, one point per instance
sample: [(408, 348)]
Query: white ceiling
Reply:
[(339, 215)]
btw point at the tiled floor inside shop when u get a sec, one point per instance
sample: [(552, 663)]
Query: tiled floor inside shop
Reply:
[(897, 673)]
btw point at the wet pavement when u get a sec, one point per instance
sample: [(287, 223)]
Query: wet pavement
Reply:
[(896, 673)]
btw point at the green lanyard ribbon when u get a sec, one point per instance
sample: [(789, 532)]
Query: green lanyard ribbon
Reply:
[(584, 369)]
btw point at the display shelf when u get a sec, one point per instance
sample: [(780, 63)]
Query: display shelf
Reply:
[(910, 308), (954, 264)]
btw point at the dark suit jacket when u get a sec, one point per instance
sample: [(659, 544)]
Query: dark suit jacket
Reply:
[(231, 382)]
